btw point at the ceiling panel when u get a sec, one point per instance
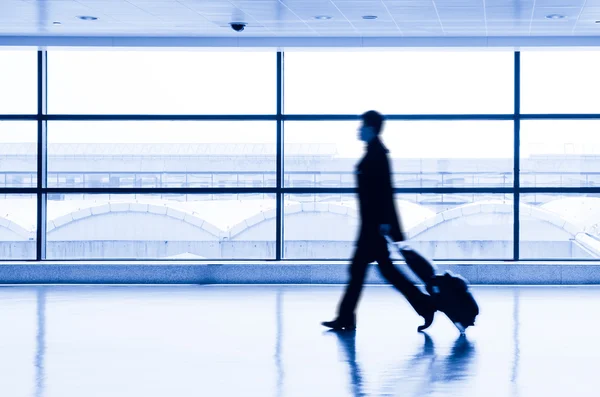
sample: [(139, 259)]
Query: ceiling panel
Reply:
[(508, 13), (589, 13), (560, 3), (309, 10), (289, 18), (355, 10), (461, 14), (407, 14), (459, 3)]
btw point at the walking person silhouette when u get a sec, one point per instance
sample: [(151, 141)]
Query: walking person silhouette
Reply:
[(378, 218)]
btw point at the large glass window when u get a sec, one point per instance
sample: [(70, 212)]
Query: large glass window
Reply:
[(422, 153), (18, 154), (87, 226), (560, 81), (401, 82), (560, 226), (440, 226), (161, 154), (18, 82), (18, 226), (161, 82), (470, 153)]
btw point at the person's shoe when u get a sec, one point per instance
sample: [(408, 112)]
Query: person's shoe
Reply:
[(341, 324), (427, 315), (428, 321)]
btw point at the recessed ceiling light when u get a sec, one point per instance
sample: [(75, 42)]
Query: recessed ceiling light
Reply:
[(322, 17), (87, 18), (555, 16), (369, 17)]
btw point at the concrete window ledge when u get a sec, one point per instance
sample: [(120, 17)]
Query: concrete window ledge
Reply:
[(284, 272)]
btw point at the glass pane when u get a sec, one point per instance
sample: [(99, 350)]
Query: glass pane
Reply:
[(18, 226), (560, 226), (422, 153), (560, 153), (169, 226), (559, 81), (161, 153), (18, 154), (163, 82), (440, 226), (18, 79), (401, 82), (319, 226)]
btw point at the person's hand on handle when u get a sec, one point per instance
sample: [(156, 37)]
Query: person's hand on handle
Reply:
[(385, 229)]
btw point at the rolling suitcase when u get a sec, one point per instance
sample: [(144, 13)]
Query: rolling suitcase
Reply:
[(450, 292)]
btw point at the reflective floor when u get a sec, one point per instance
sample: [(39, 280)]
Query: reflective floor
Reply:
[(266, 341)]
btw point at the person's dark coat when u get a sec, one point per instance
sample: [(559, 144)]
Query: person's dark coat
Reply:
[(376, 196)]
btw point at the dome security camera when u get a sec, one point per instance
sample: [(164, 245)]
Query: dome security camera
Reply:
[(238, 26)]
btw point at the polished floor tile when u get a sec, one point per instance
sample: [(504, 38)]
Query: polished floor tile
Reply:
[(266, 341)]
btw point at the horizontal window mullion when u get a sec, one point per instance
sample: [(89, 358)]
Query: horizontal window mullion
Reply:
[(157, 117), (294, 117), (19, 190), (558, 116), (234, 190), (162, 190), (425, 190), (292, 190), (407, 117), (559, 189), (18, 117)]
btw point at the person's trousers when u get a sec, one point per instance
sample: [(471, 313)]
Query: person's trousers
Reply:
[(365, 254)]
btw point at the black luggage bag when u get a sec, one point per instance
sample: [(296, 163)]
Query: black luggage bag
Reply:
[(450, 292)]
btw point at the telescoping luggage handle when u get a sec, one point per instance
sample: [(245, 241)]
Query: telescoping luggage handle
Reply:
[(393, 243), (389, 239), (398, 245)]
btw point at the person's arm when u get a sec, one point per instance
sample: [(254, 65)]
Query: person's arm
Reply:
[(385, 213), (382, 190)]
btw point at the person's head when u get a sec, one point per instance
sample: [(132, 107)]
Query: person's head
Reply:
[(371, 125)]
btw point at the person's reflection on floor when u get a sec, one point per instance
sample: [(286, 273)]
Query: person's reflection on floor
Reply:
[(425, 373), (413, 377), (347, 342), (422, 374)]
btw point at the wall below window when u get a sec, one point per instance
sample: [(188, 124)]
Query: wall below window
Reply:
[(286, 272), (582, 247)]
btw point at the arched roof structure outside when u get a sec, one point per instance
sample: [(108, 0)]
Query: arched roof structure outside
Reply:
[(16, 228), (103, 209), (428, 218), (427, 224)]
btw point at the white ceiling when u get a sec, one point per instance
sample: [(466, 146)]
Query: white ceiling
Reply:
[(296, 18)]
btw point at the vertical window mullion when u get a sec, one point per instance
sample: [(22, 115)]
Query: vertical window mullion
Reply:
[(517, 158), (42, 154), (280, 160)]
